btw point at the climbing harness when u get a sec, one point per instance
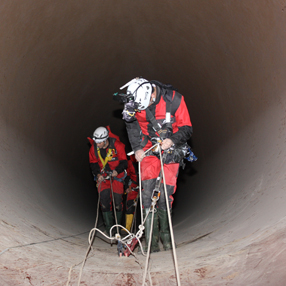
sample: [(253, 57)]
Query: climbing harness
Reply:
[(108, 157), (121, 179), (107, 174)]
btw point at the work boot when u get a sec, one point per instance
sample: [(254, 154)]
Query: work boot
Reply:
[(108, 221), (129, 220), (155, 232), (164, 229), (128, 223)]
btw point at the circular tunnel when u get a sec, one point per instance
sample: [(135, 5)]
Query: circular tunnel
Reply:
[(60, 64)]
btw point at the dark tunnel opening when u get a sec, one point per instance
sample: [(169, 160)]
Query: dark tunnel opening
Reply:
[(60, 65)]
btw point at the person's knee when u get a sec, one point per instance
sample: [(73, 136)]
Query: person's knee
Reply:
[(146, 200), (130, 207), (148, 187), (104, 208), (118, 202), (118, 208), (105, 200)]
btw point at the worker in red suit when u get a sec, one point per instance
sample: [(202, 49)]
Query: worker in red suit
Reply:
[(157, 113), (107, 157)]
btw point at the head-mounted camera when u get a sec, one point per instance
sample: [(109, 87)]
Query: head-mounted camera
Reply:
[(129, 111), (130, 106)]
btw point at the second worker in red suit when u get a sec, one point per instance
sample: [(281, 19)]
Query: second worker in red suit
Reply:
[(160, 115), (107, 156)]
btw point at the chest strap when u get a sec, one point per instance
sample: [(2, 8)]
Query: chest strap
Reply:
[(163, 132), (109, 156)]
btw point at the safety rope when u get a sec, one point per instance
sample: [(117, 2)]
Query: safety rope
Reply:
[(170, 222), (140, 192), (40, 242), (143, 222), (126, 241), (114, 208), (149, 244)]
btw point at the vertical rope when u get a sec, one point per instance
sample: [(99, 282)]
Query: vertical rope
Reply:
[(170, 222), (140, 191), (114, 208), (149, 246)]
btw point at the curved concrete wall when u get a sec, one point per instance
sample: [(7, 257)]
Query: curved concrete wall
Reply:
[(60, 64)]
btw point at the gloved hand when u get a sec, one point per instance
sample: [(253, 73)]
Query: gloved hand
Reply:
[(99, 178), (139, 155), (114, 173), (167, 143), (127, 191)]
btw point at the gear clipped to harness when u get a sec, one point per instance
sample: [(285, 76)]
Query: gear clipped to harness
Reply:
[(191, 156), (179, 154)]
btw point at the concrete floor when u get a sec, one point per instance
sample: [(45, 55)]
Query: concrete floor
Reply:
[(60, 64)]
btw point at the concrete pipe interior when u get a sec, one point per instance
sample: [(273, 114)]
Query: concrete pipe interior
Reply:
[(60, 64)]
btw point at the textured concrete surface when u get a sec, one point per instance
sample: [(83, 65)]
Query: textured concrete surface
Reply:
[(61, 62)]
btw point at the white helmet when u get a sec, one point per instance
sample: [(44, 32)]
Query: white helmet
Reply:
[(100, 134), (141, 90)]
